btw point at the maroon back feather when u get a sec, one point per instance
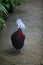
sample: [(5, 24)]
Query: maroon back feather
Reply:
[(18, 38)]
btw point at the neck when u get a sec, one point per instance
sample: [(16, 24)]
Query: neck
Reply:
[(21, 30)]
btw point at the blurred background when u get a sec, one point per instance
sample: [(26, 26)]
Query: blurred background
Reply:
[(31, 12)]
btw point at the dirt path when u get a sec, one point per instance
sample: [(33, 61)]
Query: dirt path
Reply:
[(31, 14)]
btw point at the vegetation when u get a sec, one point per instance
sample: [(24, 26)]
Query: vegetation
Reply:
[(7, 6), (1, 23), (19, 2)]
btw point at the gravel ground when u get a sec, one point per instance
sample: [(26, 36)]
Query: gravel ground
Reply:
[(32, 53)]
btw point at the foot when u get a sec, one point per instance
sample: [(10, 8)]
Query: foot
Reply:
[(18, 52)]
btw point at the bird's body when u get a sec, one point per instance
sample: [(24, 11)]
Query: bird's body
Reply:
[(18, 37)]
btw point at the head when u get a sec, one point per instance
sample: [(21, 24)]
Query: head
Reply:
[(20, 24)]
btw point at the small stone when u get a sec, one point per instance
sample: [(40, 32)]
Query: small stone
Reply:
[(4, 24), (24, 61)]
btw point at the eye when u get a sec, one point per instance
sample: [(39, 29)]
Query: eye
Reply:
[(20, 25)]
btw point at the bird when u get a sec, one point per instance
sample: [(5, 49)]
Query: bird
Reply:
[(18, 37)]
